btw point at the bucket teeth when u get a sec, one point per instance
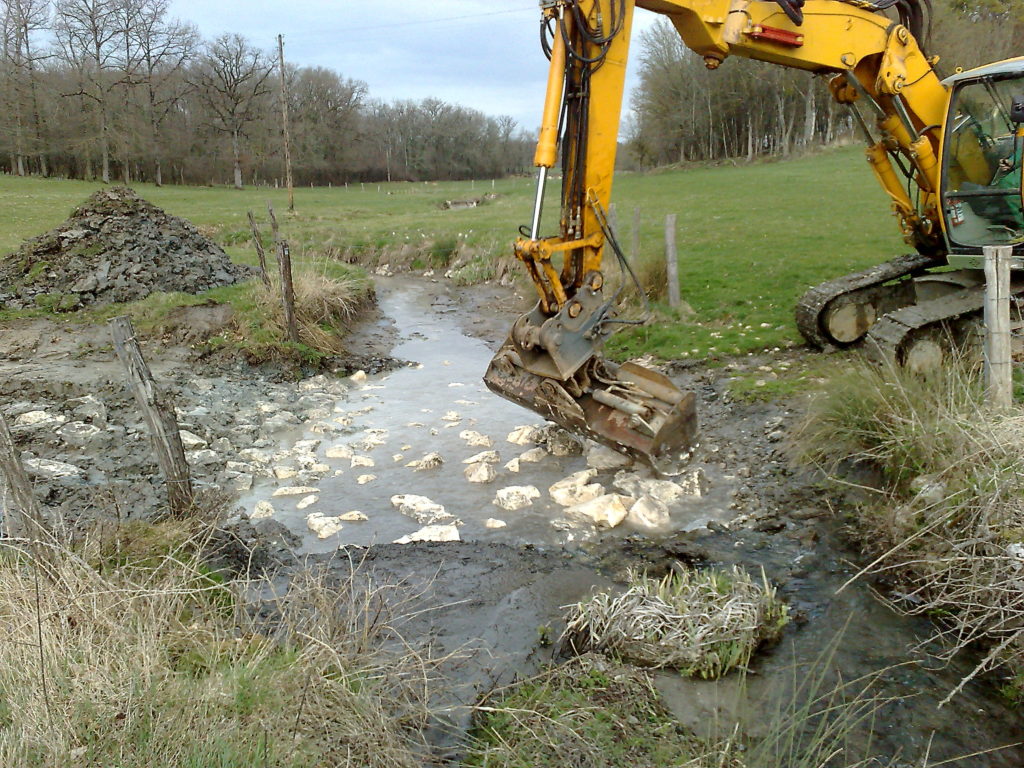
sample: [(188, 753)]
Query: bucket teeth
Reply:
[(629, 408)]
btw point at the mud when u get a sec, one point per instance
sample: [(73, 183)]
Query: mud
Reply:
[(497, 597)]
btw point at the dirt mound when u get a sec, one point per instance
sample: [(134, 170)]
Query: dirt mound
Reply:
[(115, 247)]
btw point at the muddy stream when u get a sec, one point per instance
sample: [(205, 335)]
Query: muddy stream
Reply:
[(755, 511)]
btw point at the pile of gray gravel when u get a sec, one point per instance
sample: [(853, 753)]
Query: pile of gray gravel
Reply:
[(116, 247)]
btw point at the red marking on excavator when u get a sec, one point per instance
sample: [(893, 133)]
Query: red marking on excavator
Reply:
[(776, 35)]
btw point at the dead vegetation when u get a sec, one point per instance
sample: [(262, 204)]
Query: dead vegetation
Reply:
[(156, 661), (703, 623), (949, 526)]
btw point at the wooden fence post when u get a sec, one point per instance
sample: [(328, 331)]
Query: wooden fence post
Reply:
[(998, 364), (257, 240), (163, 425), (672, 262), (284, 263), (23, 517)]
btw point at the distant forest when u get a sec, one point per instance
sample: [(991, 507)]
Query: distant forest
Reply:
[(119, 90)]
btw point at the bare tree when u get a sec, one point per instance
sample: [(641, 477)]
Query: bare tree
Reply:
[(87, 36), (232, 81)]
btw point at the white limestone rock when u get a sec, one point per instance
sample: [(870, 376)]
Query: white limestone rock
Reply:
[(421, 509), (285, 473), (430, 461), (602, 457), (39, 419), (649, 514), (362, 461), (295, 490), (242, 482), (452, 416), (190, 441), (46, 469), (494, 524), (353, 517), (324, 527), (516, 497), (481, 472), (202, 458), (485, 457), (358, 377), (306, 446), (432, 533), (255, 456), (475, 439), (340, 452), (263, 510), (606, 511), (512, 466), (576, 489), (533, 456), (365, 479), (307, 501), (80, 434), (522, 435)]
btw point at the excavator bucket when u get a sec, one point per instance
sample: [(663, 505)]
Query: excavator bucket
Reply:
[(627, 407)]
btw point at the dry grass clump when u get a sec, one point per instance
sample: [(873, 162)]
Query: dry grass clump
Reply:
[(702, 623), (951, 527), (588, 713), (324, 305), (162, 664)]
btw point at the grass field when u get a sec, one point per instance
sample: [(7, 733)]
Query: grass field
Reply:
[(751, 238)]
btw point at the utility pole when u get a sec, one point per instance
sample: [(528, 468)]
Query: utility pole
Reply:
[(284, 122)]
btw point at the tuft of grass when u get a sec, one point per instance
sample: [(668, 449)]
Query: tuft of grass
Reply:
[(703, 623), (950, 526), (154, 661), (588, 713)]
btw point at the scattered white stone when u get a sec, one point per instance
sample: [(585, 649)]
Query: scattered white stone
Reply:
[(324, 527), (362, 461), (466, 402), (295, 490), (307, 501), (485, 457), (353, 517), (313, 383), (512, 466), (79, 433), (365, 479), (239, 467), (51, 470), (451, 416), (516, 497), (559, 442), (475, 440), (522, 435), (319, 469), (432, 533), (430, 461), (343, 421), (576, 489), (421, 509), (358, 377), (649, 513), (481, 472), (242, 483), (340, 452), (693, 484), (398, 457), (262, 511), (255, 456), (605, 511), (306, 446), (203, 458), (493, 524), (89, 408), (285, 473), (533, 456), (375, 438), (190, 441), (38, 419), (602, 457)]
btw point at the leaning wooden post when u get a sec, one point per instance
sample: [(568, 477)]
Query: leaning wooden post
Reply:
[(998, 364), (285, 126), (672, 262), (23, 517), (284, 263), (257, 240), (163, 425)]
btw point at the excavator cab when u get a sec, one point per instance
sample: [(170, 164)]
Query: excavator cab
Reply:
[(983, 157)]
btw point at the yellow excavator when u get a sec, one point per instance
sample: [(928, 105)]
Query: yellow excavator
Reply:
[(947, 152)]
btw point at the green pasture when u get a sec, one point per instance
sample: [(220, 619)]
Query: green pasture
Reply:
[(751, 238)]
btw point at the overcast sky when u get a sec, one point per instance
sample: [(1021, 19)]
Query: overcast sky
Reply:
[(484, 54)]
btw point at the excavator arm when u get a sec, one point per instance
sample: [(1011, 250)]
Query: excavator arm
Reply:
[(551, 361)]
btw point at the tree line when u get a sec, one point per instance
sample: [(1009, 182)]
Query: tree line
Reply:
[(683, 113), (119, 90)]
